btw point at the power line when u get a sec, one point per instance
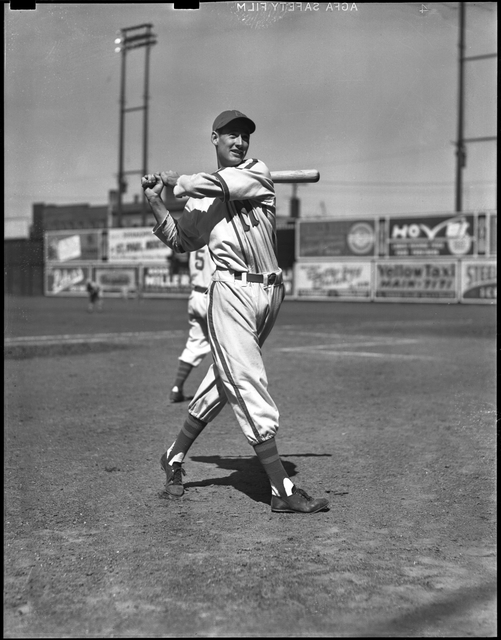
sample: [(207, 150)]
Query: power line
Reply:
[(36, 197), (398, 184)]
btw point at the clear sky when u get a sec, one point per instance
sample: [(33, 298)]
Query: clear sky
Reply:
[(366, 93)]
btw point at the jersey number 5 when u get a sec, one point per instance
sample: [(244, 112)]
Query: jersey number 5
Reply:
[(200, 259)]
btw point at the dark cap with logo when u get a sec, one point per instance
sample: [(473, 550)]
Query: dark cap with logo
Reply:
[(228, 116)]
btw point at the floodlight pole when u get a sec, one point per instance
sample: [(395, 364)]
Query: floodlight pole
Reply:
[(121, 180), (145, 122), (128, 42)]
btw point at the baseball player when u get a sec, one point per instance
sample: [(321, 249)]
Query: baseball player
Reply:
[(94, 291), (197, 346), (233, 212)]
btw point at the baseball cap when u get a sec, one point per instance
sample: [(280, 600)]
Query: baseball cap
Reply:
[(228, 116)]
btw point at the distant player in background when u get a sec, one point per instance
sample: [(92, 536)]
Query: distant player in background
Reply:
[(95, 301), (197, 345)]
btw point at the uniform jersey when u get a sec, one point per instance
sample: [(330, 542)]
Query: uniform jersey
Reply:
[(233, 211), (201, 268)]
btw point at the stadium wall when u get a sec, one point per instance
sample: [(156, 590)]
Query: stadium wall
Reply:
[(449, 258), (420, 258)]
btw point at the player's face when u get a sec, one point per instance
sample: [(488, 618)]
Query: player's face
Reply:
[(232, 143)]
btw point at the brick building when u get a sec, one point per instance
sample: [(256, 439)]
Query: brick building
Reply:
[(24, 258)]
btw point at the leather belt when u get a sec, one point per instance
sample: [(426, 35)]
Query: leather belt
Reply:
[(263, 278), (199, 289)]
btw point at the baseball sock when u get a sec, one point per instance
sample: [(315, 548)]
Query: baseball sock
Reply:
[(190, 430), (267, 452), (183, 371)]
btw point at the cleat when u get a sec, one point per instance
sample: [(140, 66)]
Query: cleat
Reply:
[(177, 396), (174, 477), (298, 502)]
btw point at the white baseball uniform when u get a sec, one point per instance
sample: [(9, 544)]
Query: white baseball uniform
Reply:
[(233, 211), (198, 345)]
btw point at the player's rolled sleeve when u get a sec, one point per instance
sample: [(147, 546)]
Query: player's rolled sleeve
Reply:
[(241, 183), (178, 236), (166, 231), (198, 185)]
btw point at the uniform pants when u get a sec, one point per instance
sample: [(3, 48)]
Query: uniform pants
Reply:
[(198, 345), (240, 318)]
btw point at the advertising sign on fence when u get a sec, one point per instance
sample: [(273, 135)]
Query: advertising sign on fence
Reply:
[(424, 237), (63, 280), (423, 280), (117, 280), (162, 280), (136, 244), (67, 246), (336, 238), (333, 279), (478, 281)]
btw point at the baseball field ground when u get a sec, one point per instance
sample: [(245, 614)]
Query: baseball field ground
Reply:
[(389, 410)]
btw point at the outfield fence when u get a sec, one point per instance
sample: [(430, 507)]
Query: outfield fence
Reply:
[(449, 258)]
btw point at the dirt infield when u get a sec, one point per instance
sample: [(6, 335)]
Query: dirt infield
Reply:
[(389, 410)]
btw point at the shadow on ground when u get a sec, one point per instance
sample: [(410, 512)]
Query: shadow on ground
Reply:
[(248, 475)]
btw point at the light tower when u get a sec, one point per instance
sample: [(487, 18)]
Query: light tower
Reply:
[(127, 39)]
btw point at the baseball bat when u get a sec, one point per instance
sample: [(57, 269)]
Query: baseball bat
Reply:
[(298, 175), (293, 176)]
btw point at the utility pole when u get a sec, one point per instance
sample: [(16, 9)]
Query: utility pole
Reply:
[(460, 143), (146, 98), (460, 148), (141, 36)]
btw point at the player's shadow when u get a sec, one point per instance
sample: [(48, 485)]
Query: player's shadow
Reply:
[(248, 474)]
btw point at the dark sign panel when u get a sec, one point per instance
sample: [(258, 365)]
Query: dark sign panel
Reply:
[(336, 238), (430, 236), (481, 235), (493, 230)]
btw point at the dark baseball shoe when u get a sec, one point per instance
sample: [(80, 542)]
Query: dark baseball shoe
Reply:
[(298, 502), (174, 477), (176, 395)]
